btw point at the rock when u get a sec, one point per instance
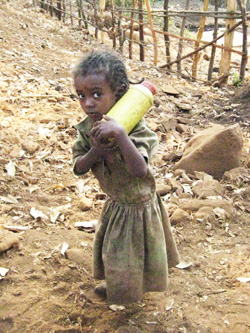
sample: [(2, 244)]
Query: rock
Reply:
[(180, 216), (208, 188), (7, 240), (194, 205), (166, 125), (181, 128), (185, 107), (173, 156), (163, 189), (30, 147), (213, 150), (15, 152), (183, 120), (45, 119), (237, 175), (76, 255), (205, 214), (169, 90), (85, 204)]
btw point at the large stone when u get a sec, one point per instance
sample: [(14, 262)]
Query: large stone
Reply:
[(180, 216), (208, 188), (205, 214), (237, 176), (213, 150), (7, 240), (163, 189), (194, 205)]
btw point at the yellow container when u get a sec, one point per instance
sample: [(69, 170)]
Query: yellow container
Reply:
[(132, 106)]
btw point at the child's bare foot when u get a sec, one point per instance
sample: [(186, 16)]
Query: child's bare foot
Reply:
[(101, 289)]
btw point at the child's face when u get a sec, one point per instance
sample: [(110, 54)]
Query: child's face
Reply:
[(95, 95)]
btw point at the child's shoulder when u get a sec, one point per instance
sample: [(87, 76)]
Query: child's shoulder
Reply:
[(142, 129), (84, 126)]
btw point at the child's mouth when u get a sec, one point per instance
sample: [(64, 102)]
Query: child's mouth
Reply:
[(95, 116)]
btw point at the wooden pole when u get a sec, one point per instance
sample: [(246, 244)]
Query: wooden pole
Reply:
[(151, 24), (199, 36), (141, 32), (165, 29), (181, 40), (244, 41), (71, 13), (213, 51), (131, 32), (228, 41)]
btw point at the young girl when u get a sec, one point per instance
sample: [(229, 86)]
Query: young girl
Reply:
[(134, 245)]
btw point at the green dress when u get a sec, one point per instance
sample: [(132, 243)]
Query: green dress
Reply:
[(134, 245)]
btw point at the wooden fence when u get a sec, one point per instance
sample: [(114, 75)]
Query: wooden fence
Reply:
[(140, 29)]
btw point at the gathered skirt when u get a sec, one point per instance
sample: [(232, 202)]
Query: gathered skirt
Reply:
[(134, 247)]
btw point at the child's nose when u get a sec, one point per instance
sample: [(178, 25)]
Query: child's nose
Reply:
[(89, 102)]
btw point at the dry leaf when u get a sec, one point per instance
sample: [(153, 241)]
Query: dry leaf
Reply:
[(14, 227), (11, 169), (86, 225), (184, 265), (9, 199), (115, 307), (243, 279), (3, 271), (37, 213), (64, 248)]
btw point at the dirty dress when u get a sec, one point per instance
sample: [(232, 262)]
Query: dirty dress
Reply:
[(134, 245)]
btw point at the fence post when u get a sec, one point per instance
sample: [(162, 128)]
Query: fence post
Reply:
[(244, 41), (181, 34), (228, 41), (213, 51), (197, 43), (131, 32), (165, 29), (153, 32), (141, 34)]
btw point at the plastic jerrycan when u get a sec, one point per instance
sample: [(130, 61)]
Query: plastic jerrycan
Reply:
[(132, 106)]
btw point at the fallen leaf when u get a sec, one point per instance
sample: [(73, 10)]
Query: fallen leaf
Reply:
[(37, 213), (170, 305), (11, 169), (184, 265), (243, 279), (64, 248), (86, 225), (9, 199), (115, 307), (3, 271), (14, 227)]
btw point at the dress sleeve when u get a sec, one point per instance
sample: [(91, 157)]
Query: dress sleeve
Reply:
[(81, 146), (145, 140)]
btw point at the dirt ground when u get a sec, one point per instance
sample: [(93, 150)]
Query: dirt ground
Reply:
[(47, 285)]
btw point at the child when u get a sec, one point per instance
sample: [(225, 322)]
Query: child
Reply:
[(134, 245)]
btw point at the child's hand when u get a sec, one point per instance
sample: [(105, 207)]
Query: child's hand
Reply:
[(104, 130), (104, 147)]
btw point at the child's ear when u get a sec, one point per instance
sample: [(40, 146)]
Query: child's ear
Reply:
[(120, 91)]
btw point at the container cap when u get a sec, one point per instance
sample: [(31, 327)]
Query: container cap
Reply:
[(150, 86)]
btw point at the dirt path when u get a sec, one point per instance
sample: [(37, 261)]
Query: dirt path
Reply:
[(47, 290)]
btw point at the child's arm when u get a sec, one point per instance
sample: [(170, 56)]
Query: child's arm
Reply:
[(85, 162), (135, 162)]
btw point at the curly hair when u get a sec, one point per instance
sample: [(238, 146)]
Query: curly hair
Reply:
[(106, 63)]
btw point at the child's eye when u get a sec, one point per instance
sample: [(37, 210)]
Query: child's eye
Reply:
[(97, 95), (81, 96)]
